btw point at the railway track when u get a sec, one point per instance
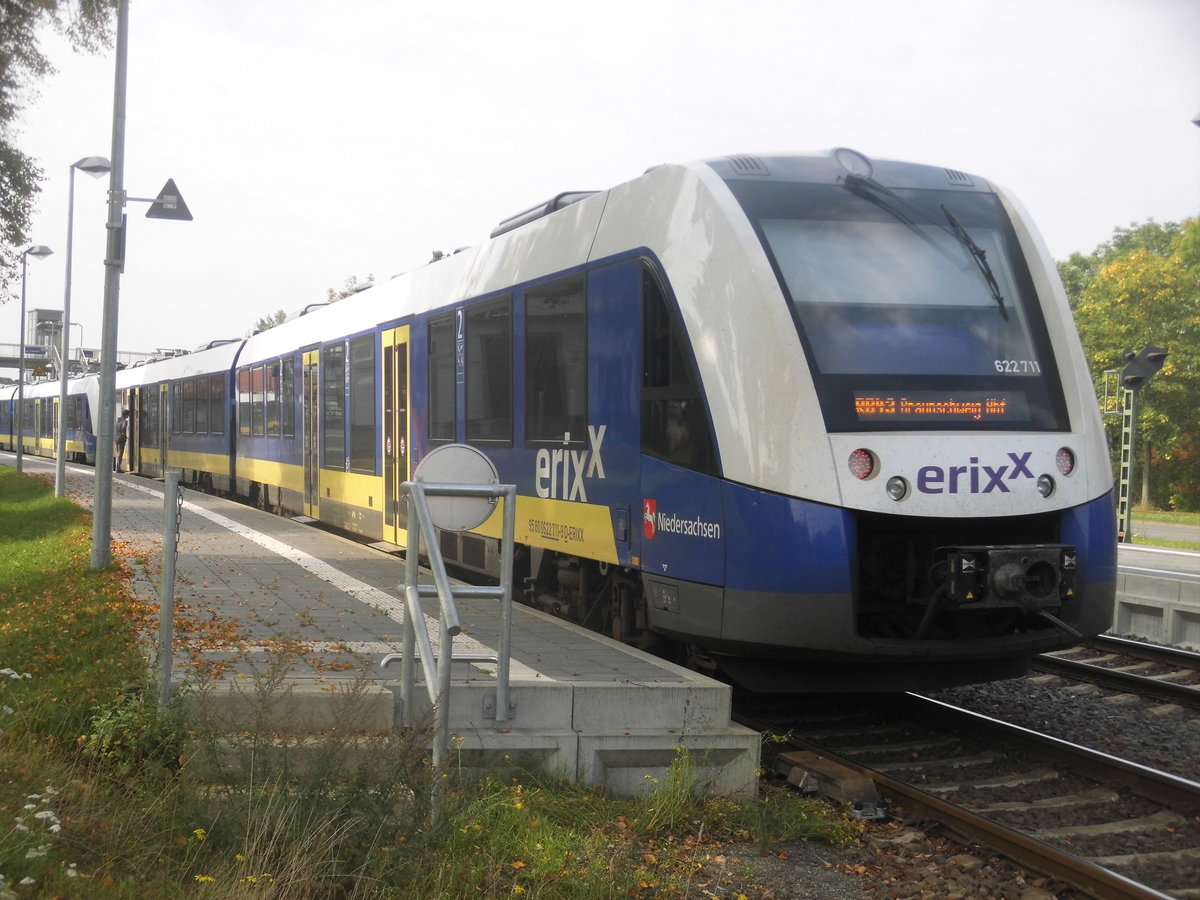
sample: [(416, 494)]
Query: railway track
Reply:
[(1167, 674), (1111, 828)]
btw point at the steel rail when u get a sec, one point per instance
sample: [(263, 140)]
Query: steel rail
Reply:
[(1117, 679), (1161, 787)]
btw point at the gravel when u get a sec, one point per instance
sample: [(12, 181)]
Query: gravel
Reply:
[(895, 860), (1159, 735)]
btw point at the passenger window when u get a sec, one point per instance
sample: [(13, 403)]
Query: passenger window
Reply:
[(556, 363), (675, 424), (187, 389), (287, 397), (201, 390), (216, 404), (362, 404), (489, 372), (244, 397), (273, 398), (442, 411), (333, 398), (258, 406)]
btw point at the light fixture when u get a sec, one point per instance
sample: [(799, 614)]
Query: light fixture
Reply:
[(38, 251), (94, 166)]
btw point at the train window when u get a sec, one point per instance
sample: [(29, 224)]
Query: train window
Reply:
[(202, 405), (556, 363), (873, 277), (149, 433), (272, 425), (216, 404), (362, 404), (187, 393), (333, 398), (489, 372), (442, 405), (258, 385), (244, 397), (287, 398), (674, 418)]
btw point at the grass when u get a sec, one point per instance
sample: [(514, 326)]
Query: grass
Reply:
[(1170, 517), (103, 795), (1167, 515)]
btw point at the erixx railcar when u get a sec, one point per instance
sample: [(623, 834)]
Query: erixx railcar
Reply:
[(823, 421), (181, 414), (39, 423)]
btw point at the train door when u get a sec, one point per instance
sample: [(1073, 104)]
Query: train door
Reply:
[(311, 385), (54, 428), (163, 425), (395, 433), (133, 398)]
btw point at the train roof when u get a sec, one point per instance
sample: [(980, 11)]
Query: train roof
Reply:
[(543, 240), (220, 358)]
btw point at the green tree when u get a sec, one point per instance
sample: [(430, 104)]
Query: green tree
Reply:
[(1079, 271), (276, 318), (88, 24), (352, 287), (1143, 287)]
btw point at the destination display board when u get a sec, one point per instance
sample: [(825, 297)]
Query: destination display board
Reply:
[(892, 407)]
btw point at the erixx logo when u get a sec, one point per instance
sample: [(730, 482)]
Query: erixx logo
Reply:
[(559, 474), (973, 478)]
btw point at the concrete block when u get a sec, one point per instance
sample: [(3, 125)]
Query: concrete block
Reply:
[(539, 706), (1141, 619), (292, 708), (608, 707), (514, 754), (631, 765)]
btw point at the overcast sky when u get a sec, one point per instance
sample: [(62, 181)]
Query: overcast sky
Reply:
[(314, 141)]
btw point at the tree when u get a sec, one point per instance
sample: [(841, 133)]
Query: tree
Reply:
[(1143, 287), (88, 24), (352, 287), (266, 322)]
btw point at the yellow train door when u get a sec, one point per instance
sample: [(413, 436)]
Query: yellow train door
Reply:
[(395, 433), (311, 402)]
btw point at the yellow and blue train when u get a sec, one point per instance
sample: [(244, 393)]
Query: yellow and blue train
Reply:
[(817, 421)]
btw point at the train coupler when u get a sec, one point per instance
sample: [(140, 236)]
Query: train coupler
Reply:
[(1030, 577)]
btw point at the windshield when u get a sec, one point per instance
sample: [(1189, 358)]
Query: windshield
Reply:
[(914, 308)]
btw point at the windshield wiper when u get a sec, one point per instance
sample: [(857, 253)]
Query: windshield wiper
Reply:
[(980, 256), (874, 192)]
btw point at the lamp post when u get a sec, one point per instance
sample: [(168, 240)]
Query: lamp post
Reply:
[(39, 251), (94, 166)]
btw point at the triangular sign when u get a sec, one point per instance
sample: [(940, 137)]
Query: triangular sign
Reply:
[(169, 205)]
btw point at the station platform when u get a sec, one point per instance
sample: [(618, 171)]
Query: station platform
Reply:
[(265, 600)]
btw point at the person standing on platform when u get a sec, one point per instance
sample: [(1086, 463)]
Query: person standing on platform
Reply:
[(122, 437)]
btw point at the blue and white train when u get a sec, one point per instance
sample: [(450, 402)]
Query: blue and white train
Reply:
[(39, 424), (818, 421)]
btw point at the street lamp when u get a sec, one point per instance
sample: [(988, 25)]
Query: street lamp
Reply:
[(94, 166), (39, 251)]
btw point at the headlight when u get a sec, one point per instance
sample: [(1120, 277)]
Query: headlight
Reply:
[(1045, 485), (897, 488)]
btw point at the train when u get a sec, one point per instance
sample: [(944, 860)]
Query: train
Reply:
[(40, 418), (811, 422)]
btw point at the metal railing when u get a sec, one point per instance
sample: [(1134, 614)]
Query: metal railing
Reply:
[(416, 643)]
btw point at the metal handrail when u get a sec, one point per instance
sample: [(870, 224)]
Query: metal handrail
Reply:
[(436, 667)]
